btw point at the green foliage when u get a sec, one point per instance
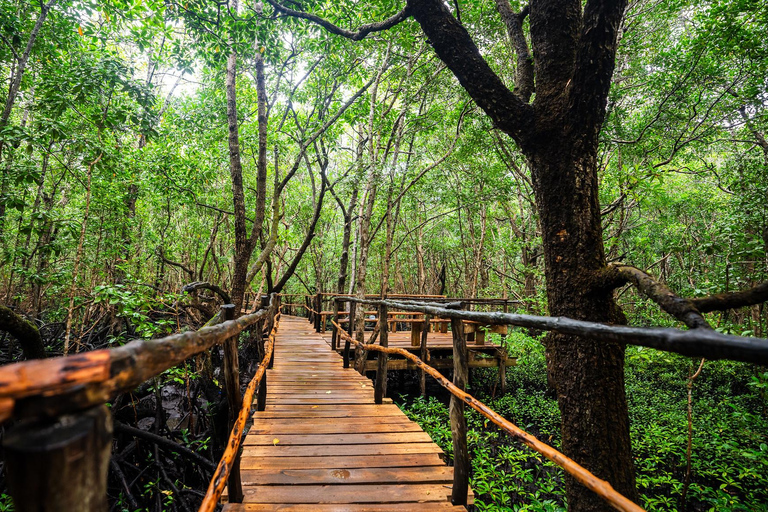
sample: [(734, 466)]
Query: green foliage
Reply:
[(730, 440)]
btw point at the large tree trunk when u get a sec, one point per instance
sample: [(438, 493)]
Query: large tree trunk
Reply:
[(589, 377)]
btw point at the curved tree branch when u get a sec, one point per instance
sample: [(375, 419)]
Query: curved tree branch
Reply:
[(191, 287), (24, 331), (732, 300), (357, 35), (457, 50), (161, 255), (307, 239), (679, 307)]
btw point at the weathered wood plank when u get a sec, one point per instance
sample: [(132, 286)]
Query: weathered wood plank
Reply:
[(364, 493), (342, 462), (346, 439), (329, 450), (429, 474)]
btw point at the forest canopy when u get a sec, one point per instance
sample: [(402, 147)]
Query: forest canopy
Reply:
[(585, 159)]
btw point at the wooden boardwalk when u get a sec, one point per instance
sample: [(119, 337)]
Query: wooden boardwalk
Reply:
[(323, 445)]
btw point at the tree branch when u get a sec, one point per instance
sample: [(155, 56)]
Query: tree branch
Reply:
[(357, 35), (732, 300), (524, 85), (681, 308), (457, 50), (161, 255), (191, 287)]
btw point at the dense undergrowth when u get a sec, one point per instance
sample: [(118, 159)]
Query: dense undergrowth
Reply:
[(730, 433)]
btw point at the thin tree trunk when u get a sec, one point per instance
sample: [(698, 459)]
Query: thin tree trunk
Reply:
[(79, 256)]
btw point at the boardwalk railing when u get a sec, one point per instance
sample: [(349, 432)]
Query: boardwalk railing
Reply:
[(57, 454), (697, 342)]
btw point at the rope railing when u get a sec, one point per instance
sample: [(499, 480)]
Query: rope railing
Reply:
[(579, 472), (231, 454), (695, 342)]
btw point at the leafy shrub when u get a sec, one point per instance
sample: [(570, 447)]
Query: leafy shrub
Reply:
[(729, 447)]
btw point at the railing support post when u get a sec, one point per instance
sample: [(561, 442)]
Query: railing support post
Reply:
[(423, 353), (458, 420), (231, 372), (380, 391), (350, 331), (334, 330), (60, 465), (319, 308)]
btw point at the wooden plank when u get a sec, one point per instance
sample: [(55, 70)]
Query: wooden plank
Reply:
[(429, 474), (346, 439), (331, 450), (368, 427), (341, 462), (364, 493), (341, 411)]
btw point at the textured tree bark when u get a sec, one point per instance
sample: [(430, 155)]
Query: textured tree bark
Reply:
[(574, 55), (589, 377), (237, 287)]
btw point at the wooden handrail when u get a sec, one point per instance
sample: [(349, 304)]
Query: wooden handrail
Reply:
[(220, 476), (695, 342), (579, 472), (59, 385)]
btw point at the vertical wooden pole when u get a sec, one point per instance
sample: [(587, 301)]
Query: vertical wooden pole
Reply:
[(380, 391), (334, 332), (458, 421), (231, 372), (319, 308), (60, 465), (503, 371), (423, 353), (351, 330)]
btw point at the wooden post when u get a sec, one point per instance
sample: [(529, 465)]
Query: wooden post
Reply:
[(60, 465), (319, 309), (458, 421), (423, 353), (503, 371), (380, 391), (231, 373), (351, 330), (334, 331), (416, 327)]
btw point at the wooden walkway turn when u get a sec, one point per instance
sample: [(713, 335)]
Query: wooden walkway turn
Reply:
[(323, 445)]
